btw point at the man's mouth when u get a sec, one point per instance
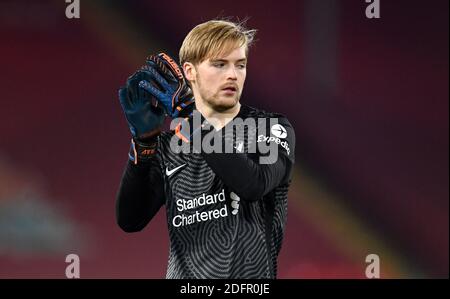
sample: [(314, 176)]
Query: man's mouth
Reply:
[(229, 89)]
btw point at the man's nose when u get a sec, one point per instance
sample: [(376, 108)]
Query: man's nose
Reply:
[(231, 73)]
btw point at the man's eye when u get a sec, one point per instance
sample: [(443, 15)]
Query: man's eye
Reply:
[(219, 64), (241, 66)]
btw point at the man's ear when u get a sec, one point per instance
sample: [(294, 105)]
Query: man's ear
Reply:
[(189, 71)]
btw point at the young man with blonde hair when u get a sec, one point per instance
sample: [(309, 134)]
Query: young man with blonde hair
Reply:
[(226, 208)]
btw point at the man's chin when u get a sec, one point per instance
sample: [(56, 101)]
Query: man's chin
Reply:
[(225, 103)]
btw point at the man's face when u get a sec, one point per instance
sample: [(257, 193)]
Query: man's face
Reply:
[(219, 81)]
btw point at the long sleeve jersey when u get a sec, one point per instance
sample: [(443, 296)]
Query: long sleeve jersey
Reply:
[(226, 212)]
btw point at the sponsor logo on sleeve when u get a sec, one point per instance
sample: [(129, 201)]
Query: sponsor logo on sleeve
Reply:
[(279, 133)]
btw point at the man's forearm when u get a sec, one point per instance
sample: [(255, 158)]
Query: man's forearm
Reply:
[(140, 195), (245, 177)]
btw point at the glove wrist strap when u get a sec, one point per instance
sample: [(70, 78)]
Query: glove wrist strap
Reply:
[(140, 152)]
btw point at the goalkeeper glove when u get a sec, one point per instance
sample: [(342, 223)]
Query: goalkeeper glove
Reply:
[(169, 85), (144, 119)]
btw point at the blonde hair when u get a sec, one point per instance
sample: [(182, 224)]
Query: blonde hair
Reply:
[(213, 38)]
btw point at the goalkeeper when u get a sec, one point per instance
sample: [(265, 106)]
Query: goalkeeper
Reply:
[(226, 212)]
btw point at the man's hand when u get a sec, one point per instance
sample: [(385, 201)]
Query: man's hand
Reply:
[(168, 85), (144, 119)]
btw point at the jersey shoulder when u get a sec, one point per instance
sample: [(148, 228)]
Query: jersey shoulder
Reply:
[(253, 112)]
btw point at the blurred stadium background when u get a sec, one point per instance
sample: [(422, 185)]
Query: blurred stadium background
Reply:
[(368, 99)]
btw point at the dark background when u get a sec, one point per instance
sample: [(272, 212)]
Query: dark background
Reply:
[(368, 99)]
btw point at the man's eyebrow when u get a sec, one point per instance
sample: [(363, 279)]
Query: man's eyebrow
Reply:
[(224, 60)]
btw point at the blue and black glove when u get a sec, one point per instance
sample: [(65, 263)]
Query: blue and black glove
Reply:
[(168, 85), (144, 117)]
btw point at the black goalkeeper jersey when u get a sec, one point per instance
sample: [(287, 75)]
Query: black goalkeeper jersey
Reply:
[(226, 212)]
